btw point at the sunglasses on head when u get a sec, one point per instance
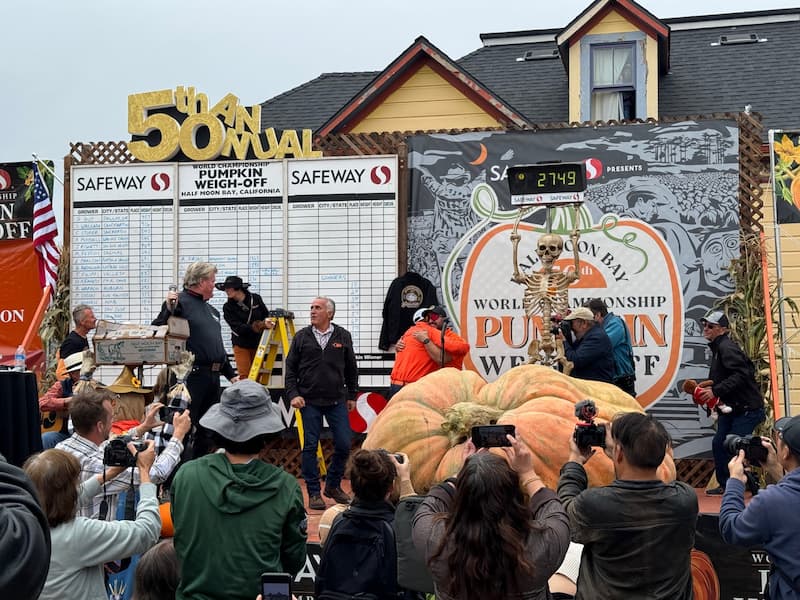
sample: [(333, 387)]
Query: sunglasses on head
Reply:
[(432, 316)]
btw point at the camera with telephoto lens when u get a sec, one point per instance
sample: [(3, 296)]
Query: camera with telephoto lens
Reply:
[(587, 432), (754, 452), (117, 454)]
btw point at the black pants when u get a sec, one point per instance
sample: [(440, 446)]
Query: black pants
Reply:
[(204, 388)]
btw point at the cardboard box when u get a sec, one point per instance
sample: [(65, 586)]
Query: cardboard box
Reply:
[(134, 344)]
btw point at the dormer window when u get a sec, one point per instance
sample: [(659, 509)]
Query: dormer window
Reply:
[(613, 82)]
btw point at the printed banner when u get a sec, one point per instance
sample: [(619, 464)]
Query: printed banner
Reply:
[(786, 175), (658, 229), (20, 293)]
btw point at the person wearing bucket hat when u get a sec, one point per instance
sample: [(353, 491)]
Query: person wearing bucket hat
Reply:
[(204, 341), (590, 352), (733, 381), (56, 399), (425, 347), (771, 519), (258, 506), (247, 316)]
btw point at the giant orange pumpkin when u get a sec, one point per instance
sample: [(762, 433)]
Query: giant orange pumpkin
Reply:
[(431, 419)]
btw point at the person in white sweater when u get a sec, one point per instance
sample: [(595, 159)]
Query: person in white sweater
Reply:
[(80, 546)]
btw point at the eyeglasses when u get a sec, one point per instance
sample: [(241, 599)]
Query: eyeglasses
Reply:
[(709, 326)]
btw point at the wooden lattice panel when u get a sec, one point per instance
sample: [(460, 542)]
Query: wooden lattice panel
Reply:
[(695, 472), (100, 153)]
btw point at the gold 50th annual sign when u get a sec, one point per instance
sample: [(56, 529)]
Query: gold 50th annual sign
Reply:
[(233, 130)]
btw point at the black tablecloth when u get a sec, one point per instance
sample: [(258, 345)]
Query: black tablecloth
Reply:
[(20, 424)]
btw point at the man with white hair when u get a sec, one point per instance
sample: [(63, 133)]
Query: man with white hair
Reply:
[(322, 381), (205, 342)]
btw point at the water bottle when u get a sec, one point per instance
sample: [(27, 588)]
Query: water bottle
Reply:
[(19, 358)]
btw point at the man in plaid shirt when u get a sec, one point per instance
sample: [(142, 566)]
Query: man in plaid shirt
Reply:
[(92, 414)]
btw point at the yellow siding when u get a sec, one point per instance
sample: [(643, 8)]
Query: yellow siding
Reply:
[(425, 101), (613, 23), (790, 269)]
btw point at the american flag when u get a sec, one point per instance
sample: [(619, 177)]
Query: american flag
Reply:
[(44, 231)]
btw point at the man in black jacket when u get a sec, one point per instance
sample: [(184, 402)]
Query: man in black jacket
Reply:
[(591, 353), (637, 532), (322, 381), (205, 342), (247, 316), (734, 383)]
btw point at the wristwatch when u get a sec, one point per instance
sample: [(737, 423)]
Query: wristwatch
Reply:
[(426, 341)]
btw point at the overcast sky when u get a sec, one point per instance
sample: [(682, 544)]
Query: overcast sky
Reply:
[(67, 68)]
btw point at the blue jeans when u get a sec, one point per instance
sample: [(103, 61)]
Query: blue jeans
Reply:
[(51, 438), (727, 424), (339, 423)]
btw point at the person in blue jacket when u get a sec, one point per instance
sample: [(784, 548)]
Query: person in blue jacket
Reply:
[(617, 331), (771, 519), (590, 351)]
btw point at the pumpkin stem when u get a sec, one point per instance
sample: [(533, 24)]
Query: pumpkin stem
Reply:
[(463, 416)]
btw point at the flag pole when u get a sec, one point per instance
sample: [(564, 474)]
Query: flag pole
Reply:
[(47, 167)]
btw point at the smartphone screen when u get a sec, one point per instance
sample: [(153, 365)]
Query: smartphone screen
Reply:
[(276, 586), (491, 436)]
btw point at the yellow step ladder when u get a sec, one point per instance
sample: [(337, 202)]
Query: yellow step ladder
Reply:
[(279, 337)]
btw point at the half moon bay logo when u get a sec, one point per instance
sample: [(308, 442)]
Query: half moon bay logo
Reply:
[(5, 180), (628, 265)]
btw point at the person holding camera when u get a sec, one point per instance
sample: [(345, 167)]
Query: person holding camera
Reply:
[(80, 546), (622, 348), (733, 381), (637, 532), (92, 413), (590, 353), (771, 519), (494, 531)]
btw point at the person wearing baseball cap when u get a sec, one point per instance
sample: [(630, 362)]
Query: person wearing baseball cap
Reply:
[(733, 381), (426, 346), (590, 352), (771, 519)]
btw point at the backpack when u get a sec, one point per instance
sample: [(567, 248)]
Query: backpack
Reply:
[(359, 559), (412, 572)]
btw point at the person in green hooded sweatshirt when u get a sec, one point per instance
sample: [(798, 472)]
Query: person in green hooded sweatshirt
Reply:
[(236, 516)]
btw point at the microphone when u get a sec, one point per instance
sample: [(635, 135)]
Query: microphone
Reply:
[(172, 303)]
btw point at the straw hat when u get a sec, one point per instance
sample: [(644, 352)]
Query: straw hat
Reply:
[(127, 383)]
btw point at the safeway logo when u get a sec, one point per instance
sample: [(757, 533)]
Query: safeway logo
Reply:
[(594, 168), (159, 182), (380, 175), (5, 180)]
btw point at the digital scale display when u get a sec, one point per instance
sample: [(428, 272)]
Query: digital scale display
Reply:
[(547, 183)]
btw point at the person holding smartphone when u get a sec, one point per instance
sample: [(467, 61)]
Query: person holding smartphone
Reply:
[(500, 500)]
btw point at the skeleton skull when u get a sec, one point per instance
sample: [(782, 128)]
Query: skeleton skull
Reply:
[(549, 247)]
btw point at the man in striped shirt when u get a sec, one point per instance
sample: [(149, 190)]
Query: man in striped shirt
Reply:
[(92, 414)]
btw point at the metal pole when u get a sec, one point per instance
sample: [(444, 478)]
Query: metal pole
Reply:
[(779, 275)]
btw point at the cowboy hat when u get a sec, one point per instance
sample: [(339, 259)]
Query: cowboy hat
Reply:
[(232, 281)]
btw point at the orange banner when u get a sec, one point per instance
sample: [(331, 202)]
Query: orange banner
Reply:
[(20, 293)]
